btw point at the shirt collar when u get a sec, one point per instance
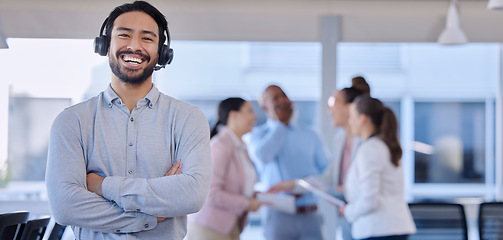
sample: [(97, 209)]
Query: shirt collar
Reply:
[(149, 100), (110, 95), (272, 123)]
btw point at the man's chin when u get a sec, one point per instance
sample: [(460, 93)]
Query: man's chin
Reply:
[(132, 76)]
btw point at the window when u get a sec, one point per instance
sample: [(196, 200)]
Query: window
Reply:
[(444, 98), (449, 142)]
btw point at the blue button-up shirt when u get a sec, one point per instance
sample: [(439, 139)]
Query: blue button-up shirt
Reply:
[(133, 151), (283, 152)]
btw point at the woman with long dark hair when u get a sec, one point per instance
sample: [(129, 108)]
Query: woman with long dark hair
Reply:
[(231, 194), (374, 185)]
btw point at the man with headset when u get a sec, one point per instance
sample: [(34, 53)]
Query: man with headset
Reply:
[(130, 163)]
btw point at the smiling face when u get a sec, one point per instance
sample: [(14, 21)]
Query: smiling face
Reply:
[(276, 104), (134, 45)]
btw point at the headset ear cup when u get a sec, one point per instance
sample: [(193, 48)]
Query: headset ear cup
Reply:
[(101, 45), (165, 55), (170, 55)]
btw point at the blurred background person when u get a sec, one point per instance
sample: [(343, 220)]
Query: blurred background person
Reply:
[(374, 186), (343, 148), (284, 151), (231, 194)]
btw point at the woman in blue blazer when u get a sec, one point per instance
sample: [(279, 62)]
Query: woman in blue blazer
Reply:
[(374, 186)]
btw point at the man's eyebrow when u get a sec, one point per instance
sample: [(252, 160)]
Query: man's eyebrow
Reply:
[(149, 32), (124, 29), (130, 30)]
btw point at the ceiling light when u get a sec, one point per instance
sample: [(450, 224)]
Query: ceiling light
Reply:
[(495, 5), (452, 33)]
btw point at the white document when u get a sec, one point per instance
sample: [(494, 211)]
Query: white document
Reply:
[(316, 190), (285, 203)]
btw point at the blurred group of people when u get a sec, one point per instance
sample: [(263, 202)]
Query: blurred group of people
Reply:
[(365, 167)]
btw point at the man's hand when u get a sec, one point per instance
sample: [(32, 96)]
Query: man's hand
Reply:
[(284, 111), (176, 169), (93, 182), (341, 210), (254, 205)]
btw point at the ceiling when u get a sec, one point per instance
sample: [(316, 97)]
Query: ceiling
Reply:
[(260, 20)]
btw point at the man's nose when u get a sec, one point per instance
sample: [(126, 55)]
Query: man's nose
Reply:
[(134, 44)]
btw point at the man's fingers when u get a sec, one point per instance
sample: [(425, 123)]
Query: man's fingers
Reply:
[(173, 170), (179, 170)]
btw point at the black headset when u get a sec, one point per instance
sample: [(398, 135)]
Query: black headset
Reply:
[(101, 46)]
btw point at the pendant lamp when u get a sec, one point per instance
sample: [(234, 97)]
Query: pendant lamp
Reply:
[(495, 5), (452, 33)]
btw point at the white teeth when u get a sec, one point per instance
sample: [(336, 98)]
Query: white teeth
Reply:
[(132, 59)]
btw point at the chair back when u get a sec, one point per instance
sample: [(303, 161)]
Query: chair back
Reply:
[(35, 229), (11, 224), (57, 232), (437, 220), (491, 221)]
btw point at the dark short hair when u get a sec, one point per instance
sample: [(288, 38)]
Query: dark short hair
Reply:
[(140, 6)]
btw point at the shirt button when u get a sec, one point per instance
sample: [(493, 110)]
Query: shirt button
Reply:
[(130, 171), (138, 210), (146, 225), (119, 102), (130, 144), (131, 119), (118, 230), (151, 105)]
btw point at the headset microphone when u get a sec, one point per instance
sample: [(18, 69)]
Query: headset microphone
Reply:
[(159, 67)]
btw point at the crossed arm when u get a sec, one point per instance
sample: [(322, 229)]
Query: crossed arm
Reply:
[(116, 204), (94, 181)]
